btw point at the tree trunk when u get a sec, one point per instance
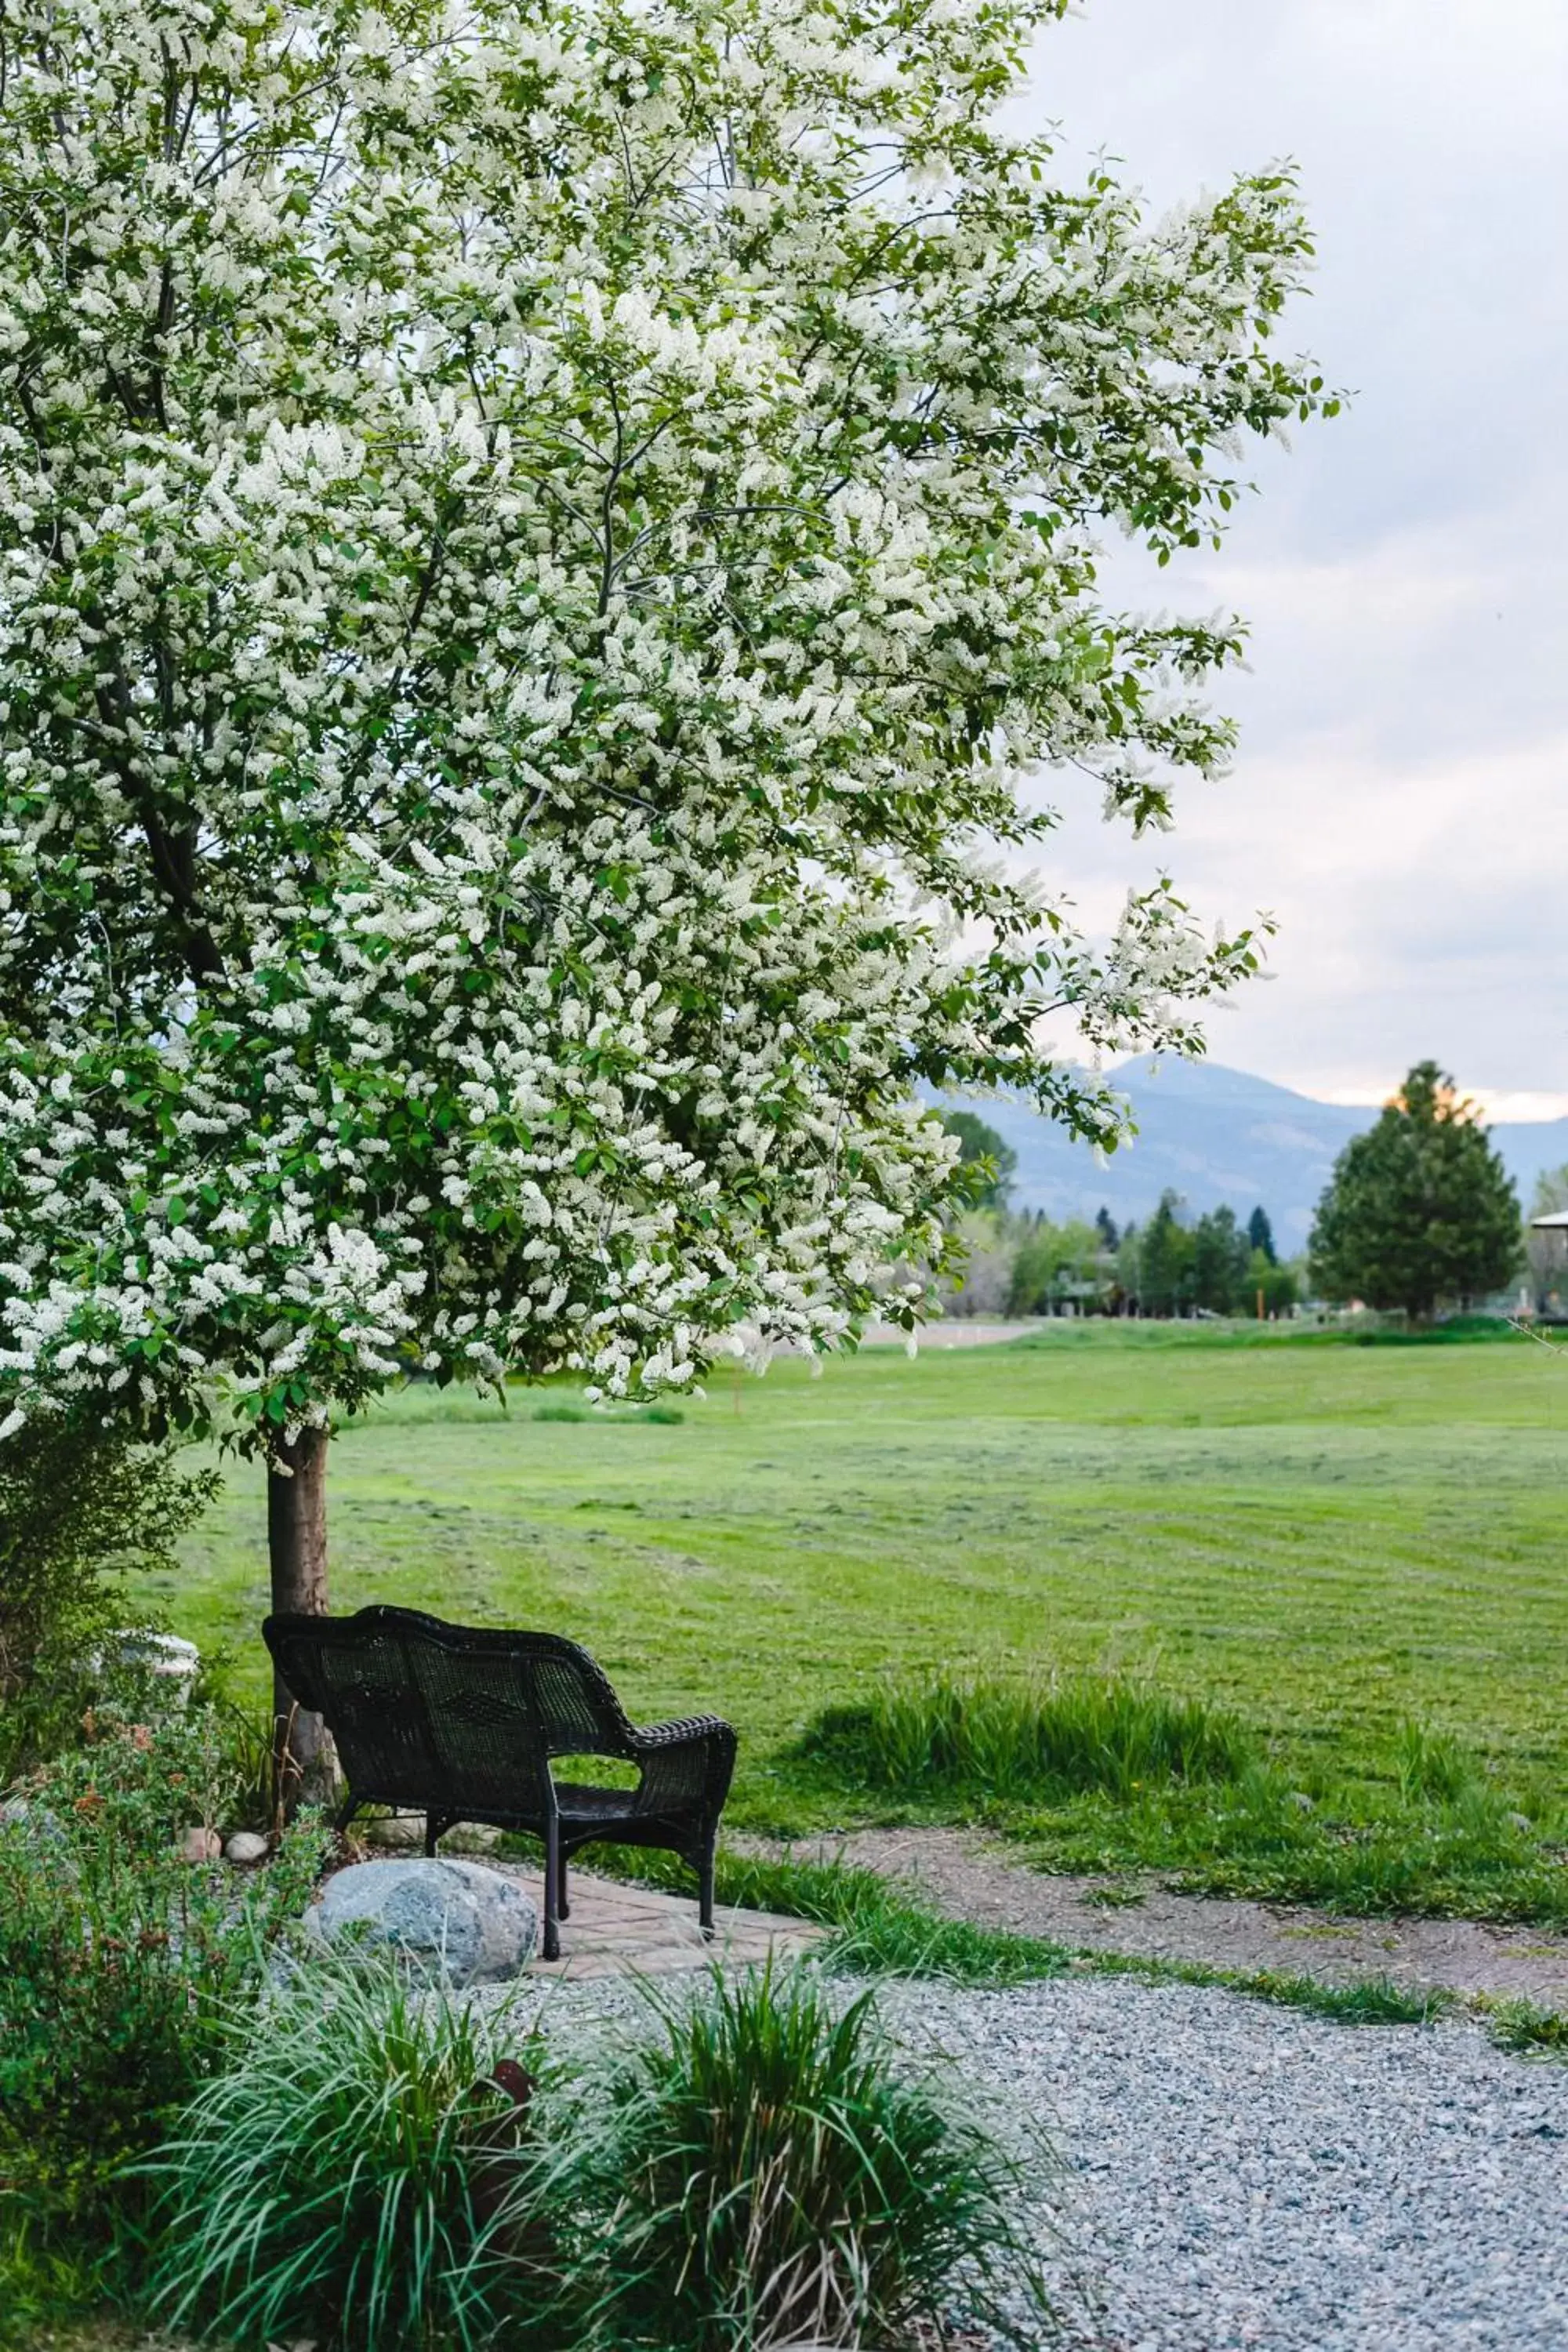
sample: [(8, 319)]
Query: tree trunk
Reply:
[(304, 1763)]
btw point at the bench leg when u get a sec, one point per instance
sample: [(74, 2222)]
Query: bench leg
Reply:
[(554, 1868), (705, 1887), (563, 1906), (436, 1828)]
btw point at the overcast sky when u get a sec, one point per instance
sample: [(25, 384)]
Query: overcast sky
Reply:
[(1398, 798)]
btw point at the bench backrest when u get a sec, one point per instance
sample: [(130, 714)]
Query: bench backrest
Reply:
[(447, 1717)]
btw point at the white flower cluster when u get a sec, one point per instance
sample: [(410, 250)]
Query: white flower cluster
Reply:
[(534, 548)]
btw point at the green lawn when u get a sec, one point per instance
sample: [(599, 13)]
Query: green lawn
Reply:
[(1326, 1538)]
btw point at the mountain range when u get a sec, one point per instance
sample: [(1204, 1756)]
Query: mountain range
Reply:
[(1216, 1136)]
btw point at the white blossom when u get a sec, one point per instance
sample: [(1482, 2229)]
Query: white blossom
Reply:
[(536, 551)]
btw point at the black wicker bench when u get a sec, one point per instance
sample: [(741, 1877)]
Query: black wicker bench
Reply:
[(462, 1723)]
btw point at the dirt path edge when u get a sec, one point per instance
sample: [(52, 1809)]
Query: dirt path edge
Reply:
[(969, 1876)]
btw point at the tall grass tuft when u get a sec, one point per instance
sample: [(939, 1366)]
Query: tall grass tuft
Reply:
[(1434, 1765), (1525, 2027), (357, 2176), (1084, 1732), (781, 2179)]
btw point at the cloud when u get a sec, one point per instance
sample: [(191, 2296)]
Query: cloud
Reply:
[(1404, 740)]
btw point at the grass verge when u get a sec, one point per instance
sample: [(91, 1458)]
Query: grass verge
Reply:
[(1522, 2026), (1108, 1773), (1367, 1852), (875, 1929), (1375, 2001), (881, 1930)]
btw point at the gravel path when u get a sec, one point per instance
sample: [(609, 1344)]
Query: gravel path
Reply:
[(1235, 2175), (971, 1879), (1241, 2176)]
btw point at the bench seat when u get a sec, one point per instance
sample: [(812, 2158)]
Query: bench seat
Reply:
[(463, 1723)]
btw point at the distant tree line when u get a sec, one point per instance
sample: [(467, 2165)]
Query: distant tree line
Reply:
[(1212, 1266), (1419, 1215), (1025, 1262)]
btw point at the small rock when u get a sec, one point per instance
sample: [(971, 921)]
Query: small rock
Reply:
[(398, 1832), (1522, 1823), (1302, 1802), (36, 1823), (473, 1837), (173, 1664), (451, 1920), (404, 1834), (200, 1845), (246, 1848)]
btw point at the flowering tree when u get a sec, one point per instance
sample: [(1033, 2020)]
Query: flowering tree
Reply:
[(538, 545)]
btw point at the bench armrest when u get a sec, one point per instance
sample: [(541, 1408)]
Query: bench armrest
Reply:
[(686, 1765)]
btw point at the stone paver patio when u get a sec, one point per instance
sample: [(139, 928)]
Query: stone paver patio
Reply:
[(615, 1931)]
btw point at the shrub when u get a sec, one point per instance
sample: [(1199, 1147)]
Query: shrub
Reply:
[(774, 2177), (79, 1508), (361, 2174), (1000, 1740), (755, 2169), (122, 1964)]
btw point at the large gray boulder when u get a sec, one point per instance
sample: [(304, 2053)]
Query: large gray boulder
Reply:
[(452, 1919)]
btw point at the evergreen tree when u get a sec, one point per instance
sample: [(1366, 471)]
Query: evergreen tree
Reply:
[(1221, 1260), (1129, 1264), (1165, 1261), (1420, 1208), (981, 1149), (1260, 1234), (1105, 1226)]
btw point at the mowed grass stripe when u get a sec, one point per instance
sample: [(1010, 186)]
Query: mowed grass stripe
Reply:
[(1327, 1540)]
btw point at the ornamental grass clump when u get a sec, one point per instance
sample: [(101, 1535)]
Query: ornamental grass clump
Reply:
[(360, 2175), (776, 2175), (1083, 1733)]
